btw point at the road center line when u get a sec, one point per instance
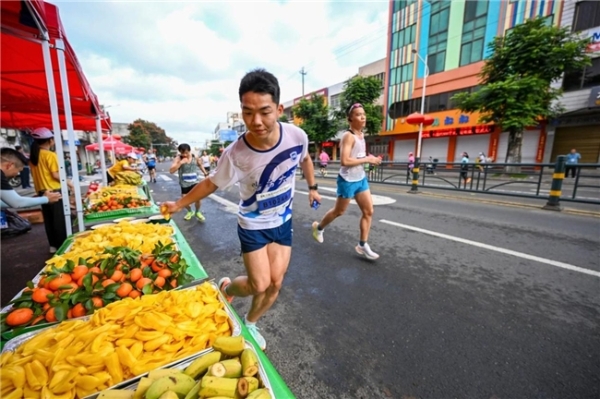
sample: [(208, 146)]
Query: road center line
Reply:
[(495, 249)]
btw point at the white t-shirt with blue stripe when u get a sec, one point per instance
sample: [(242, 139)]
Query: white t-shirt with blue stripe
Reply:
[(266, 177)]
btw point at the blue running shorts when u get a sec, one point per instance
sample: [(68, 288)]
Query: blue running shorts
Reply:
[(349, 189), (252, 240)]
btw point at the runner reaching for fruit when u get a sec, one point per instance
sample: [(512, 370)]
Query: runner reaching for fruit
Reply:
[(271, 151)]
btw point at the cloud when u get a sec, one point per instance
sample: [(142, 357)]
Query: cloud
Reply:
[(179, 64)]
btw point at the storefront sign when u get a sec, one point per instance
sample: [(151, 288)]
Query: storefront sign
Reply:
[(594, 100), (463, 131), (328, 144), (449, 120), (594, 45)]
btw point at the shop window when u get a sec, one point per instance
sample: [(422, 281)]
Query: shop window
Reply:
[(587, 15), (589, 77), (473, 35)]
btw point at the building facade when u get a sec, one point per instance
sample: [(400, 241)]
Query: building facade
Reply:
[(451, 37), (332, 97), (579, 126)]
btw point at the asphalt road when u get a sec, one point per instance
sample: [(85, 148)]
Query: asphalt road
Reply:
[(433, 317), (448, 311)]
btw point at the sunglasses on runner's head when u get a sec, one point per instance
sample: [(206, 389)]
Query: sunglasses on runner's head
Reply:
[(353, 106)]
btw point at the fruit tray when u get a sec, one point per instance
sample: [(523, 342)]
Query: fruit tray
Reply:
[(119, 212), (236, 327), (182, 365)]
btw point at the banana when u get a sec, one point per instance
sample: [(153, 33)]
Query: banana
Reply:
[(116, 394), (216, 386), (169, 395), (230, 346), (159, 373), (201, 364), (195, 392), (179, 383), (231, 368), (142, 387), (249, 363), (260, 394)]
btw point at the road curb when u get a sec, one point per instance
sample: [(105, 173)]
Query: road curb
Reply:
[(508, 203)]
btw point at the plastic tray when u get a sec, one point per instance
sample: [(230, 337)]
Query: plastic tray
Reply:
[(182, 365)]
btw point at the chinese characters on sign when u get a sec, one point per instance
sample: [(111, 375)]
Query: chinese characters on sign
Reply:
[(464, 131)]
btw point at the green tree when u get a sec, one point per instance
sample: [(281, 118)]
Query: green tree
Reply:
[(366, 91), (283, 118), (215, 149), (145, 134), (516, 90), (316, 119)]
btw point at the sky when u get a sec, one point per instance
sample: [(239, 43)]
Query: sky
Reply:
[(179, 64)]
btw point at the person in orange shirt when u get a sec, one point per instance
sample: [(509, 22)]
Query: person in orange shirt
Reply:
[(44, 169)]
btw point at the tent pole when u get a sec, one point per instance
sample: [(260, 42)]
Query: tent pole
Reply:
[(64, 82), (64, 189), (101, 149)]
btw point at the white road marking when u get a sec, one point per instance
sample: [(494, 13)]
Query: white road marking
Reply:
[(377, 199), (496, 249), (229, 206), (164, 177)]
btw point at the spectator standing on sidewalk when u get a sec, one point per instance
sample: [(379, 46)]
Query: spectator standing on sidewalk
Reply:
[(480, 161), (352, 182), (572, 160), (26, 171), (411, 165), (464, 168)]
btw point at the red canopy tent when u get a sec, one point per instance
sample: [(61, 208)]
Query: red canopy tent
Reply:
[(23, 87), (110, 144), (29, 97)]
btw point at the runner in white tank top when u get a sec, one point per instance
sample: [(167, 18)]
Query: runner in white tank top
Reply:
[(352, 182)]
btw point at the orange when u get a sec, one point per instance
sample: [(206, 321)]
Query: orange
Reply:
[(107, 282), (19, 317), (40, 295), (124, 290), (98, 302), (164, 273), (174, 283), (135, 294), (50, 316), (70, 314), (117, 275), (37, 320), (135, 275), (157, 266), (94, 280), (78, 272), (79, 310), (174, 258), (73, 286), (143, 282), (61, 279), (96, 269), (159, 281)]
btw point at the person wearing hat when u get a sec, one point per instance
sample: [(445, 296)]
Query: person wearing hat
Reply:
[(43, 162), (12, 163), (411, 164), (120, 166)]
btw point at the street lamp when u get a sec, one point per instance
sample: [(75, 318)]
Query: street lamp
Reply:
[(420, 139)]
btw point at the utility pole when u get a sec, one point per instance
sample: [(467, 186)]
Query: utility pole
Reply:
[(303, 72)]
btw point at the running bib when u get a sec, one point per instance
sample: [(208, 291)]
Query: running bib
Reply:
[(189, 177), (274, 201)]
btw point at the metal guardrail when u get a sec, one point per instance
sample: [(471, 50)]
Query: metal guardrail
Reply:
[(534, 180)]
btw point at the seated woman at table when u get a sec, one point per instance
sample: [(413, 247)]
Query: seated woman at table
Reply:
[(121, 166)]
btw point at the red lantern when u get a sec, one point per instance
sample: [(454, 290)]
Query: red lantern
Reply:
[(415, 118), (427, 120)]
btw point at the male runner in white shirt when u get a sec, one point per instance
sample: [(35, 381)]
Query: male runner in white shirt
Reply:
[(263, 160)]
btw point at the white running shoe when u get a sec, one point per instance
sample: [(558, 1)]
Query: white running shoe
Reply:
[(317, 234), (366, 251)]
